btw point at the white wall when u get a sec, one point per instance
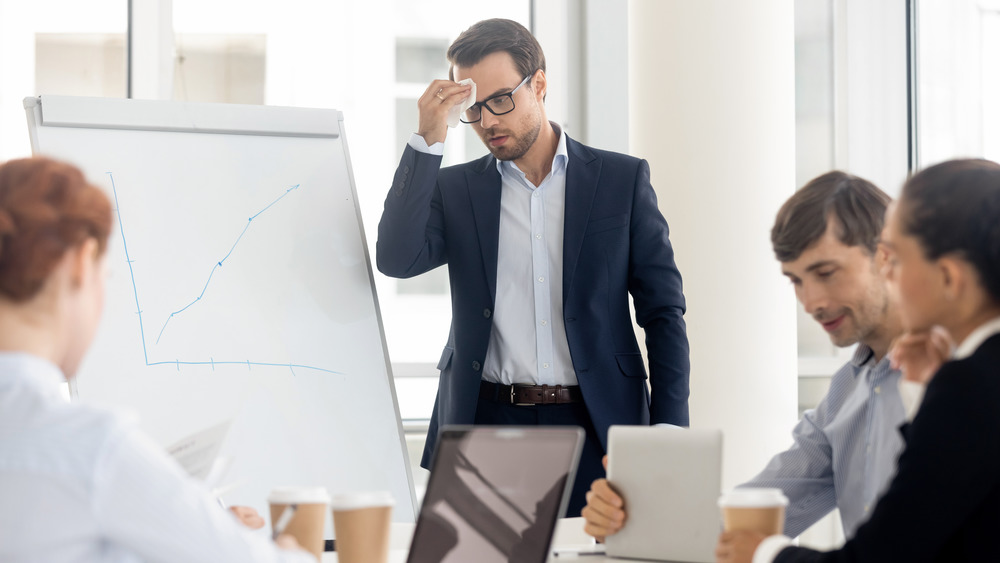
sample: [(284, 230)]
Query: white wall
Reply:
[(712, 107)]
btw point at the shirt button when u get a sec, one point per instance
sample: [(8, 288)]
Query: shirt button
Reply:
[(476, 365), (866, 508), (878, 390), (539, 237), (544, 323), (487, 313), (546, 366), (541, 279)]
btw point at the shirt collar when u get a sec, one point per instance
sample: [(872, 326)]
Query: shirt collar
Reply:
[(37, 372), (559, 160), (862, 355), (976, 338)]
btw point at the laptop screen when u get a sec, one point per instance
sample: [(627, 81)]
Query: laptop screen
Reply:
[(495, 494)]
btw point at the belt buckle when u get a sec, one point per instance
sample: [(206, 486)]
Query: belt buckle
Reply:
[(518, 404)]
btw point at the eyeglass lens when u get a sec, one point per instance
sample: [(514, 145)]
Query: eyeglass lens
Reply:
[(497, 106)]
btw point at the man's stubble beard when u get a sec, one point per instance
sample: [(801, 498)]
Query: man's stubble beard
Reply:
[(521, 144)]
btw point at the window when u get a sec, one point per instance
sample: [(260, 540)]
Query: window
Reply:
[(957, 80), (56, 47)]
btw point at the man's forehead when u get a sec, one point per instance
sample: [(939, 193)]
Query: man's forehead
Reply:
[(496, 67), (827, 251)]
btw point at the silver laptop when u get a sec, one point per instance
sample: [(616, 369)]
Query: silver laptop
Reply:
[(670, 479), (495, 493)]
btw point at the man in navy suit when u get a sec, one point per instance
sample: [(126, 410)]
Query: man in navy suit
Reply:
[(545, 240)]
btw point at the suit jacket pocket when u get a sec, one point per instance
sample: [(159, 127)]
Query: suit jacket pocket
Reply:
[(606, 224), (445, 360), (631, 365)]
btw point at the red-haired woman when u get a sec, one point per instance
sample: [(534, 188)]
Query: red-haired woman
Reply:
[(78, 483)]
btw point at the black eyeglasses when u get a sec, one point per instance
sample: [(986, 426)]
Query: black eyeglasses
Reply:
[(497, 105)]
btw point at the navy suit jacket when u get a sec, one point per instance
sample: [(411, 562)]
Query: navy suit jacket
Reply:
[(615, 244)]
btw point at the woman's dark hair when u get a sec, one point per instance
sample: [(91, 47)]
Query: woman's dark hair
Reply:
[(490, 36), (954, 208), (855, 205), (46, 208)]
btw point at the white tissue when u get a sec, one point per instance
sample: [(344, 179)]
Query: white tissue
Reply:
[(456, 110)]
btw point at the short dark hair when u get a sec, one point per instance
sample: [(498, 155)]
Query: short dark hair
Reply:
[(494, 35), (855, 205), (954, 208)]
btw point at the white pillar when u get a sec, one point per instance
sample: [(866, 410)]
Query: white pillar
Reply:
[(712, 107), (152, 49)]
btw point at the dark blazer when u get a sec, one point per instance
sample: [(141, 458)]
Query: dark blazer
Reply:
[(615, 243), (944, 503)]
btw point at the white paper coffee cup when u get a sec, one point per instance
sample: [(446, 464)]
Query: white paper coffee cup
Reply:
[(308, 519), (754, 509), (361, 524)]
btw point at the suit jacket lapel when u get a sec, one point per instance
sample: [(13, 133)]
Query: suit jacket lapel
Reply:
[(583, 171), (484, 191)]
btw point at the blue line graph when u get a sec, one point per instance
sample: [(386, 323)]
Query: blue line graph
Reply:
[(220, 262), (212, 361)]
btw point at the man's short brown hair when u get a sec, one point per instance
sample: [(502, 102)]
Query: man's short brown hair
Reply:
[(494, 35), (854, 205)]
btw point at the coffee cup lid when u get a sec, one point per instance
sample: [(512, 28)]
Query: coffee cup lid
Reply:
[(366, 499), (749, 497), (299, 495)]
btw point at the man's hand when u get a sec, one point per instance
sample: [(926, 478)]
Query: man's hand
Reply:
[(248, 517), (737, 547), (604, 514), (919, 355), (434, 106)]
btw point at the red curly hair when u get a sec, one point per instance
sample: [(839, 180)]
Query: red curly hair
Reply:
[(47, 207)]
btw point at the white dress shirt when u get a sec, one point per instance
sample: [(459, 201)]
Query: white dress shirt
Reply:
[(83, 484), (528, 341)]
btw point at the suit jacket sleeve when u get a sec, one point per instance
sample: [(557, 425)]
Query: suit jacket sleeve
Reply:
[(950, 464), (655, 285), (411, 232)]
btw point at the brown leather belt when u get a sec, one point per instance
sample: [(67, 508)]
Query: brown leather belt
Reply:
[(530, 394)]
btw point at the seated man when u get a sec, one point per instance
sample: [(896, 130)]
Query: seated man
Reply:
[(845, 450)]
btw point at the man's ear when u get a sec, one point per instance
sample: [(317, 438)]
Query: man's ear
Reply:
[(881, 258), (540, 85)]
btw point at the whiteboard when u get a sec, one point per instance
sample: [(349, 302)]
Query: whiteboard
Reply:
[(239, 289)]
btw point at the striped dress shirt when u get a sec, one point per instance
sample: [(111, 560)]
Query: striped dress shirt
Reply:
[(844, 451), (82, 484)]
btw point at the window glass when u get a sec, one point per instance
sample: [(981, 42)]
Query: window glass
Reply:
[(226, 68), (958, 80), (50, 47)]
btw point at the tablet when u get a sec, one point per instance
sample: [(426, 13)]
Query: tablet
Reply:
[(670, 479)]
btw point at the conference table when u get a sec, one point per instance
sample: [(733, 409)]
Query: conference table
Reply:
[(569, 544)]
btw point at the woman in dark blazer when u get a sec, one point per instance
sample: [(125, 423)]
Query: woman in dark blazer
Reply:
[(943, 245)]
